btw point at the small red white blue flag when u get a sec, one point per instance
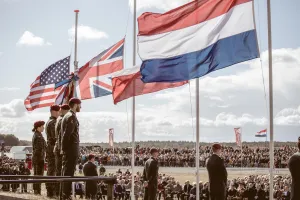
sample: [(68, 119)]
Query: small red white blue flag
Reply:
[(95, 76), (262, 133)]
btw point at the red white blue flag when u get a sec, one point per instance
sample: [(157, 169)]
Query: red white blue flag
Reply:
[(196, 39), (95, 76), (262, 133)]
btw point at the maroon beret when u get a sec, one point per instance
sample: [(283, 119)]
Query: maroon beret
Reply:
[(75, 100), (65, 107), (55, 108), (91, 156), (38, 124), (216, 146), (153, 150)]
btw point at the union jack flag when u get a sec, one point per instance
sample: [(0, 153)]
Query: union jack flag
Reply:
[(95, 76)]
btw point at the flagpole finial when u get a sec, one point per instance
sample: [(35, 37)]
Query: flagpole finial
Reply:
[(77, 11)]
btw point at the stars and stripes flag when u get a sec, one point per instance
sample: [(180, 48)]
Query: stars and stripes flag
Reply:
[(95, 76), (262, 133), (238, 136), (111, 137), (42, 90)]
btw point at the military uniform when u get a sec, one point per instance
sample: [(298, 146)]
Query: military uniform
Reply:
[(50, 157), (38, 155), (294, 166), (150, 175), (69, 148), (57, 151)]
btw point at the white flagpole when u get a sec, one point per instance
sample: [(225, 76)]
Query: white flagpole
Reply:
[(75, 49), (133, 102), (197, 139), (270, 99)]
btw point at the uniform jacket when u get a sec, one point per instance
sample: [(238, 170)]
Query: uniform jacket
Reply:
[(38, 147), (90, 169), (70, 134), (150, 173), (217, 174), (294, 166), (50, 132), (58, 133)]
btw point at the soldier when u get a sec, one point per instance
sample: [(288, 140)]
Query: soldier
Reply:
[(50, 132), (294, 166), (217, 174), (38, 153), (70, 143), (150, 175), (57, 149)]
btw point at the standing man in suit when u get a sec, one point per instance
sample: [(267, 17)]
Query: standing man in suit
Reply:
[(294, 166), (70, 143), (150, 175), (217, 174), (90, 169)]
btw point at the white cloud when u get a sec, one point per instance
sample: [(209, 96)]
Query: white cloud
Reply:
[(30, 39), (15, 108), (1, 53), (164, 5), (86, 33), (6, 89), (288, 116)]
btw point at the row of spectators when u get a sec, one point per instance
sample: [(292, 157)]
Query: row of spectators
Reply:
[(253, 187), (174, 157)]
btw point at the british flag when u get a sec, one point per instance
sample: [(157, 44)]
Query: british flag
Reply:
[(95, 76)]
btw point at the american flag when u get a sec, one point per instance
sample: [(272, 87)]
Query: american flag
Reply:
[(238, 135), (95, 76), (42, 90)]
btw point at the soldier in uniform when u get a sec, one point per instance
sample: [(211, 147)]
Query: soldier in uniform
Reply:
[(57, 149), (150, 176), (50, 132), (38, 153), (294, 166), (217, 174), (70, 143)]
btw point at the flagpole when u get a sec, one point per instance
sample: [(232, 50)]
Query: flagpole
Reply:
[(75, 49), (270, 99), (197, 139), (133, 102), (241, 138)]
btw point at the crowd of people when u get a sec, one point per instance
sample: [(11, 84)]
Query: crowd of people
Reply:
[(185, 157)]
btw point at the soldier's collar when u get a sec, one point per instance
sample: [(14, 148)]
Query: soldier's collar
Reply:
[(52, 117)]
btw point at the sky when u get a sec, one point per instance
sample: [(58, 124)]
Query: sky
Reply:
[(34, 34)]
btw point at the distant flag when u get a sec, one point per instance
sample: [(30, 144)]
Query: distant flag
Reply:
[(238, 135), (127, 83), (196, 39), (95, 76), (42, 91), (262, 133), (111, 137)]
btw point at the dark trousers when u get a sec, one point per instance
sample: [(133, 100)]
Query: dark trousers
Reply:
[(150, 192), (217, 196), (58, 167), (24, 187), (38, 169), (51, 187), (69, 166)]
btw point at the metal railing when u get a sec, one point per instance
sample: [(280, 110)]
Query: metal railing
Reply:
[(110, 181)]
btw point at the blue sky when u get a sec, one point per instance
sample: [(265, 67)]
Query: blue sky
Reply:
[(229, 98)]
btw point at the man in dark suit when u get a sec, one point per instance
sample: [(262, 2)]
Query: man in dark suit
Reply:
[(90, 169), (294, 166), (150, 176), (217, 174)]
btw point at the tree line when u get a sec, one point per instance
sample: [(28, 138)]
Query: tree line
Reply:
[(12, 140)]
